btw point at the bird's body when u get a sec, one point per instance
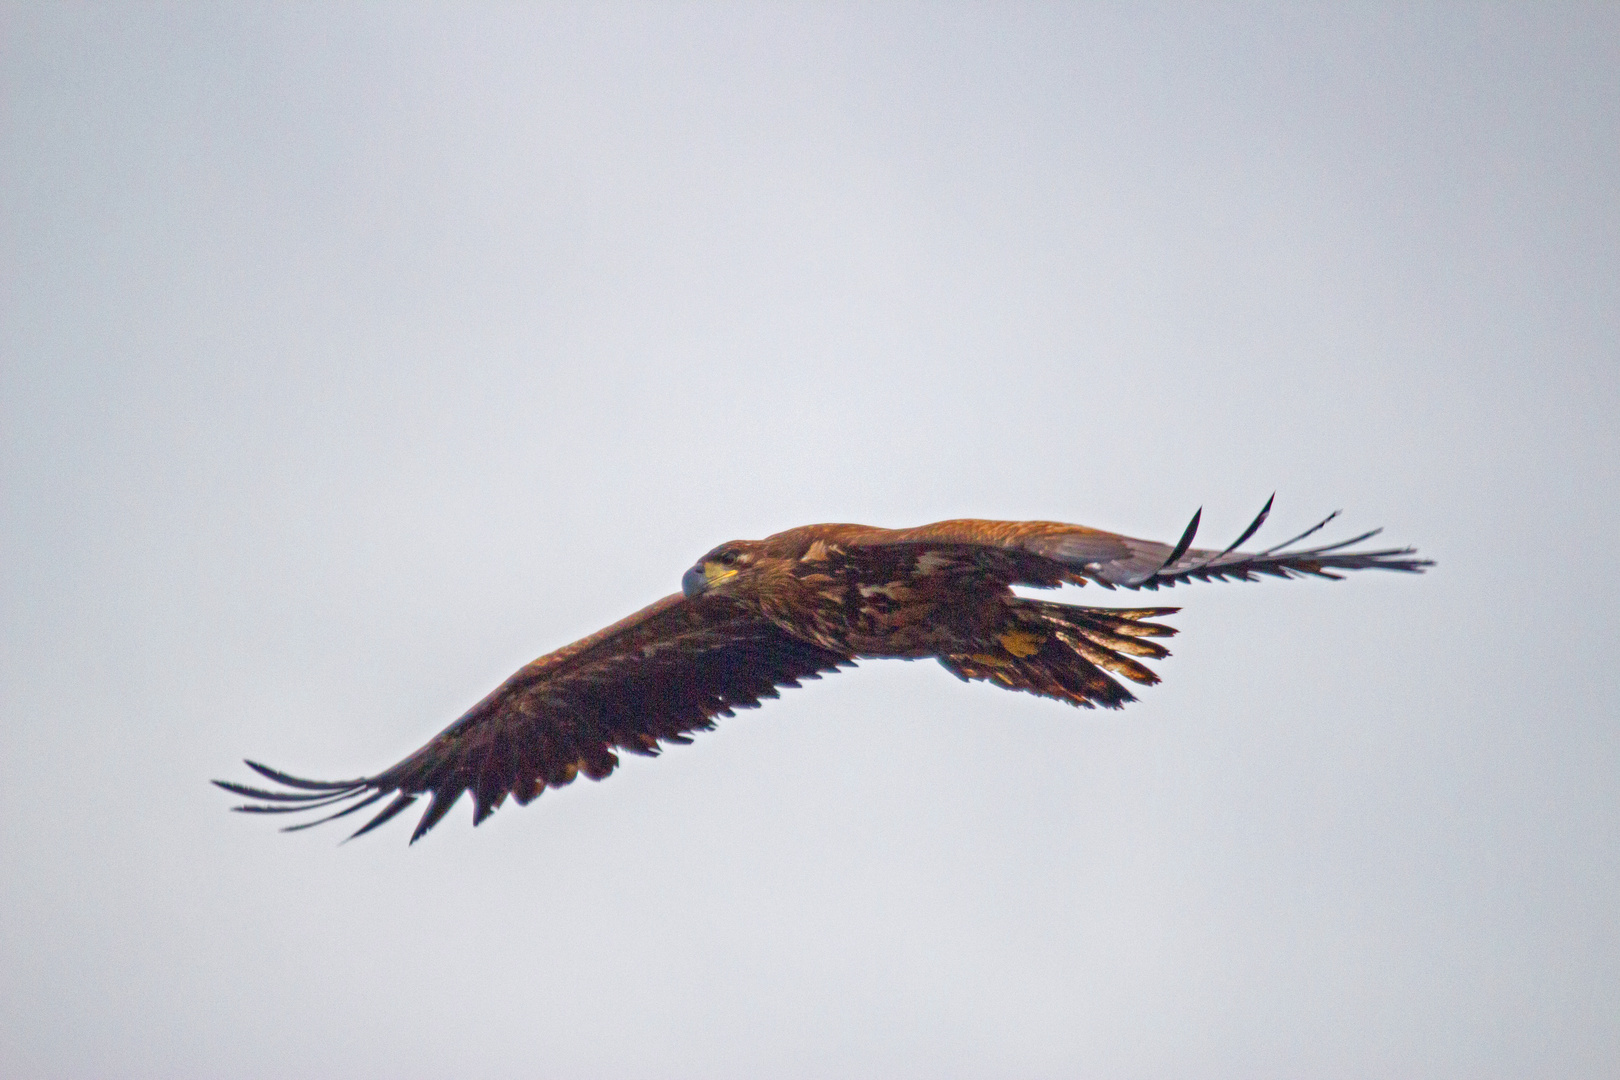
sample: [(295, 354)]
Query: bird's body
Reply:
[(756, 615), (863, 592)]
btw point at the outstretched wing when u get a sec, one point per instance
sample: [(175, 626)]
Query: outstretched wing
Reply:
[(667, 670), (1047, 553)]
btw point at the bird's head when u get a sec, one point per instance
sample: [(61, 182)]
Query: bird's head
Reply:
[(721, 570)]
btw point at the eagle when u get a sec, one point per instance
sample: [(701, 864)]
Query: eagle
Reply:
[(754, 616)]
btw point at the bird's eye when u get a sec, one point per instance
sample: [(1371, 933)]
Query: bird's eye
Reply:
[(726, 558)]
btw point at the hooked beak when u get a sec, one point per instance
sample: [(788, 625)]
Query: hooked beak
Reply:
[(704, 576)]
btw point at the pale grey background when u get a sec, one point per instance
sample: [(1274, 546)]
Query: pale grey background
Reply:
[(353, 356)]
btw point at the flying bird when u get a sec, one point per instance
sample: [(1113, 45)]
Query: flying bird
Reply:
[(756, 615)]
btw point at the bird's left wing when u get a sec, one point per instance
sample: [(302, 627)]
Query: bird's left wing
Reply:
[(651, 678), (1045, 553)]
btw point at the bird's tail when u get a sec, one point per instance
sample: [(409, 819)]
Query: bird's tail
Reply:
[(1066, 652)]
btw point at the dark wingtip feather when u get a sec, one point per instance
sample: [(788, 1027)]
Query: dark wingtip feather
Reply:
[(1314, 528), (438, 806), (297, 781), (331, 800), (1184, 543), (401, 801), (277, 796), (345, 812), (1368, 535), (1254, 527)]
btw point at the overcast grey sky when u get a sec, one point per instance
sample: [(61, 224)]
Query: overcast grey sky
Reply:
[(354, 356)]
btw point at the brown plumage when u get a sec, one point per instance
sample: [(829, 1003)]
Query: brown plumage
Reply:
[(756, 615)]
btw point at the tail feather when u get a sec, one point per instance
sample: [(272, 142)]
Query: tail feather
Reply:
[(1068, 653), (1109, 660)]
